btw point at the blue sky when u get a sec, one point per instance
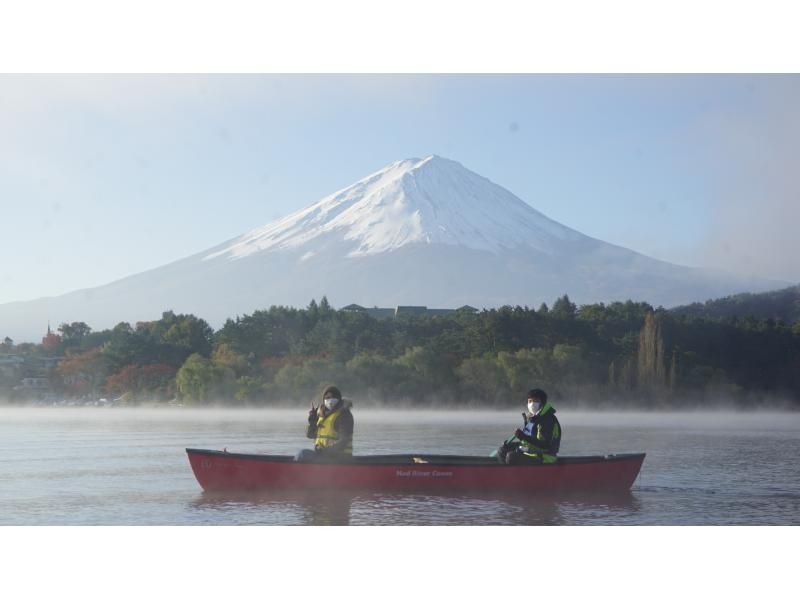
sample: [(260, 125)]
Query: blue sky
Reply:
[(106, 176)]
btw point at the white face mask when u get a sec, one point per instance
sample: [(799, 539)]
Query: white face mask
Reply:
[(534, 407), (330, 404)]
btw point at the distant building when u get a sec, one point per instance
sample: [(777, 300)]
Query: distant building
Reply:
[(468, 308), (11, 360), (49, 363), (410, 311), (353, 307), (10, 365), (50, 340), (27, 367), (380, 313), (33, 384)]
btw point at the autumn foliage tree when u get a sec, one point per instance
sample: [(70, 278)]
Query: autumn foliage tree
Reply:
[(153, 379), (83, 373)]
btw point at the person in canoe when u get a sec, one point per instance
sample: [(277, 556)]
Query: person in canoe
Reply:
[(331, 427), (539, 439)]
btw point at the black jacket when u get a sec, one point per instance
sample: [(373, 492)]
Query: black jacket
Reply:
[(546, 427)]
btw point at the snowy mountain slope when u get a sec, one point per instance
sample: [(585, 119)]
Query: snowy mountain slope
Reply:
[(433, 201), (419, 231)]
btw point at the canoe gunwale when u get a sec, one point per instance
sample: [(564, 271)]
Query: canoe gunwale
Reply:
[(413, 459)]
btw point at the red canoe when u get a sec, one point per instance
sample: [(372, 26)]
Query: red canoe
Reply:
[(223, 471)]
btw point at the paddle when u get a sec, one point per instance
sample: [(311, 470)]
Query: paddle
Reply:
[(493, 454)]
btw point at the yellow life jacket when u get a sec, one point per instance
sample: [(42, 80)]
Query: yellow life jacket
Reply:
[(327, 435)]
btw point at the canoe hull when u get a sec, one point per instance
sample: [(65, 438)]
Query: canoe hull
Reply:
[(223, 471)]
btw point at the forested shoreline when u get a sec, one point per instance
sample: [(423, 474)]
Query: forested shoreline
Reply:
[(617, 355)]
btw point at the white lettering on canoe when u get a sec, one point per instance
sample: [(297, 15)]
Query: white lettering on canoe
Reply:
[(415, 473), (209, 463)]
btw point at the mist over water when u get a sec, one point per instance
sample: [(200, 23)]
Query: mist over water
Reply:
[(86, 466)]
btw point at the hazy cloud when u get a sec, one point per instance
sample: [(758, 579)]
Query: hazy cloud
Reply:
[(756, 184)]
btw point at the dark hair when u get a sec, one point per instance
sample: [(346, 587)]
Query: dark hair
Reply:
[(333, 390), (537, 393)]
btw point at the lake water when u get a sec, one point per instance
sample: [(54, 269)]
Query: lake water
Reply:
[(92, 466)]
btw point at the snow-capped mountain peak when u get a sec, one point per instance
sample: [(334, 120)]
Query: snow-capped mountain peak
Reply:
[(431, 200), (417, 232)]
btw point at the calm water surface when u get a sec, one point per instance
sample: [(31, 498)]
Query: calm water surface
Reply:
[(89, 466)]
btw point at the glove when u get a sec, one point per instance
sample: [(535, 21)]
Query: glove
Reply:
[(312, 416), (519, 434)]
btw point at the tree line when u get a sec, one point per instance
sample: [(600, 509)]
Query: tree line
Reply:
[(781, 305), (622, 353)]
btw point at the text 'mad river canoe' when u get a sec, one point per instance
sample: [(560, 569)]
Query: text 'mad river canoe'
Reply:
[(224, 471)]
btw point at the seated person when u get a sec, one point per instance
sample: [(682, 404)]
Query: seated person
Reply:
[(331, 427), (539, 440)]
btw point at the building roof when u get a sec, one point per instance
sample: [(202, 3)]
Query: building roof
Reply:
[(382, 313), (353, 307)]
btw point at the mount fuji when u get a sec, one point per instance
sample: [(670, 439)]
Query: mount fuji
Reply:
[(419, 231)]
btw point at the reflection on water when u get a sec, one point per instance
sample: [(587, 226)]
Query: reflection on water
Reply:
[(289, 507), (345, 508), (129, 467)]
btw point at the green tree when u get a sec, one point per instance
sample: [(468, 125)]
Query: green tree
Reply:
[(249, 389), (191, 333), (225, 357), (73, 334), (308, 378), (125, 347), (652, 370), (484, 380), (199, 380), (431, 369), (313, 310), (564, 308), (376, 375), (526, 368), (324, 307), (570, 364)]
